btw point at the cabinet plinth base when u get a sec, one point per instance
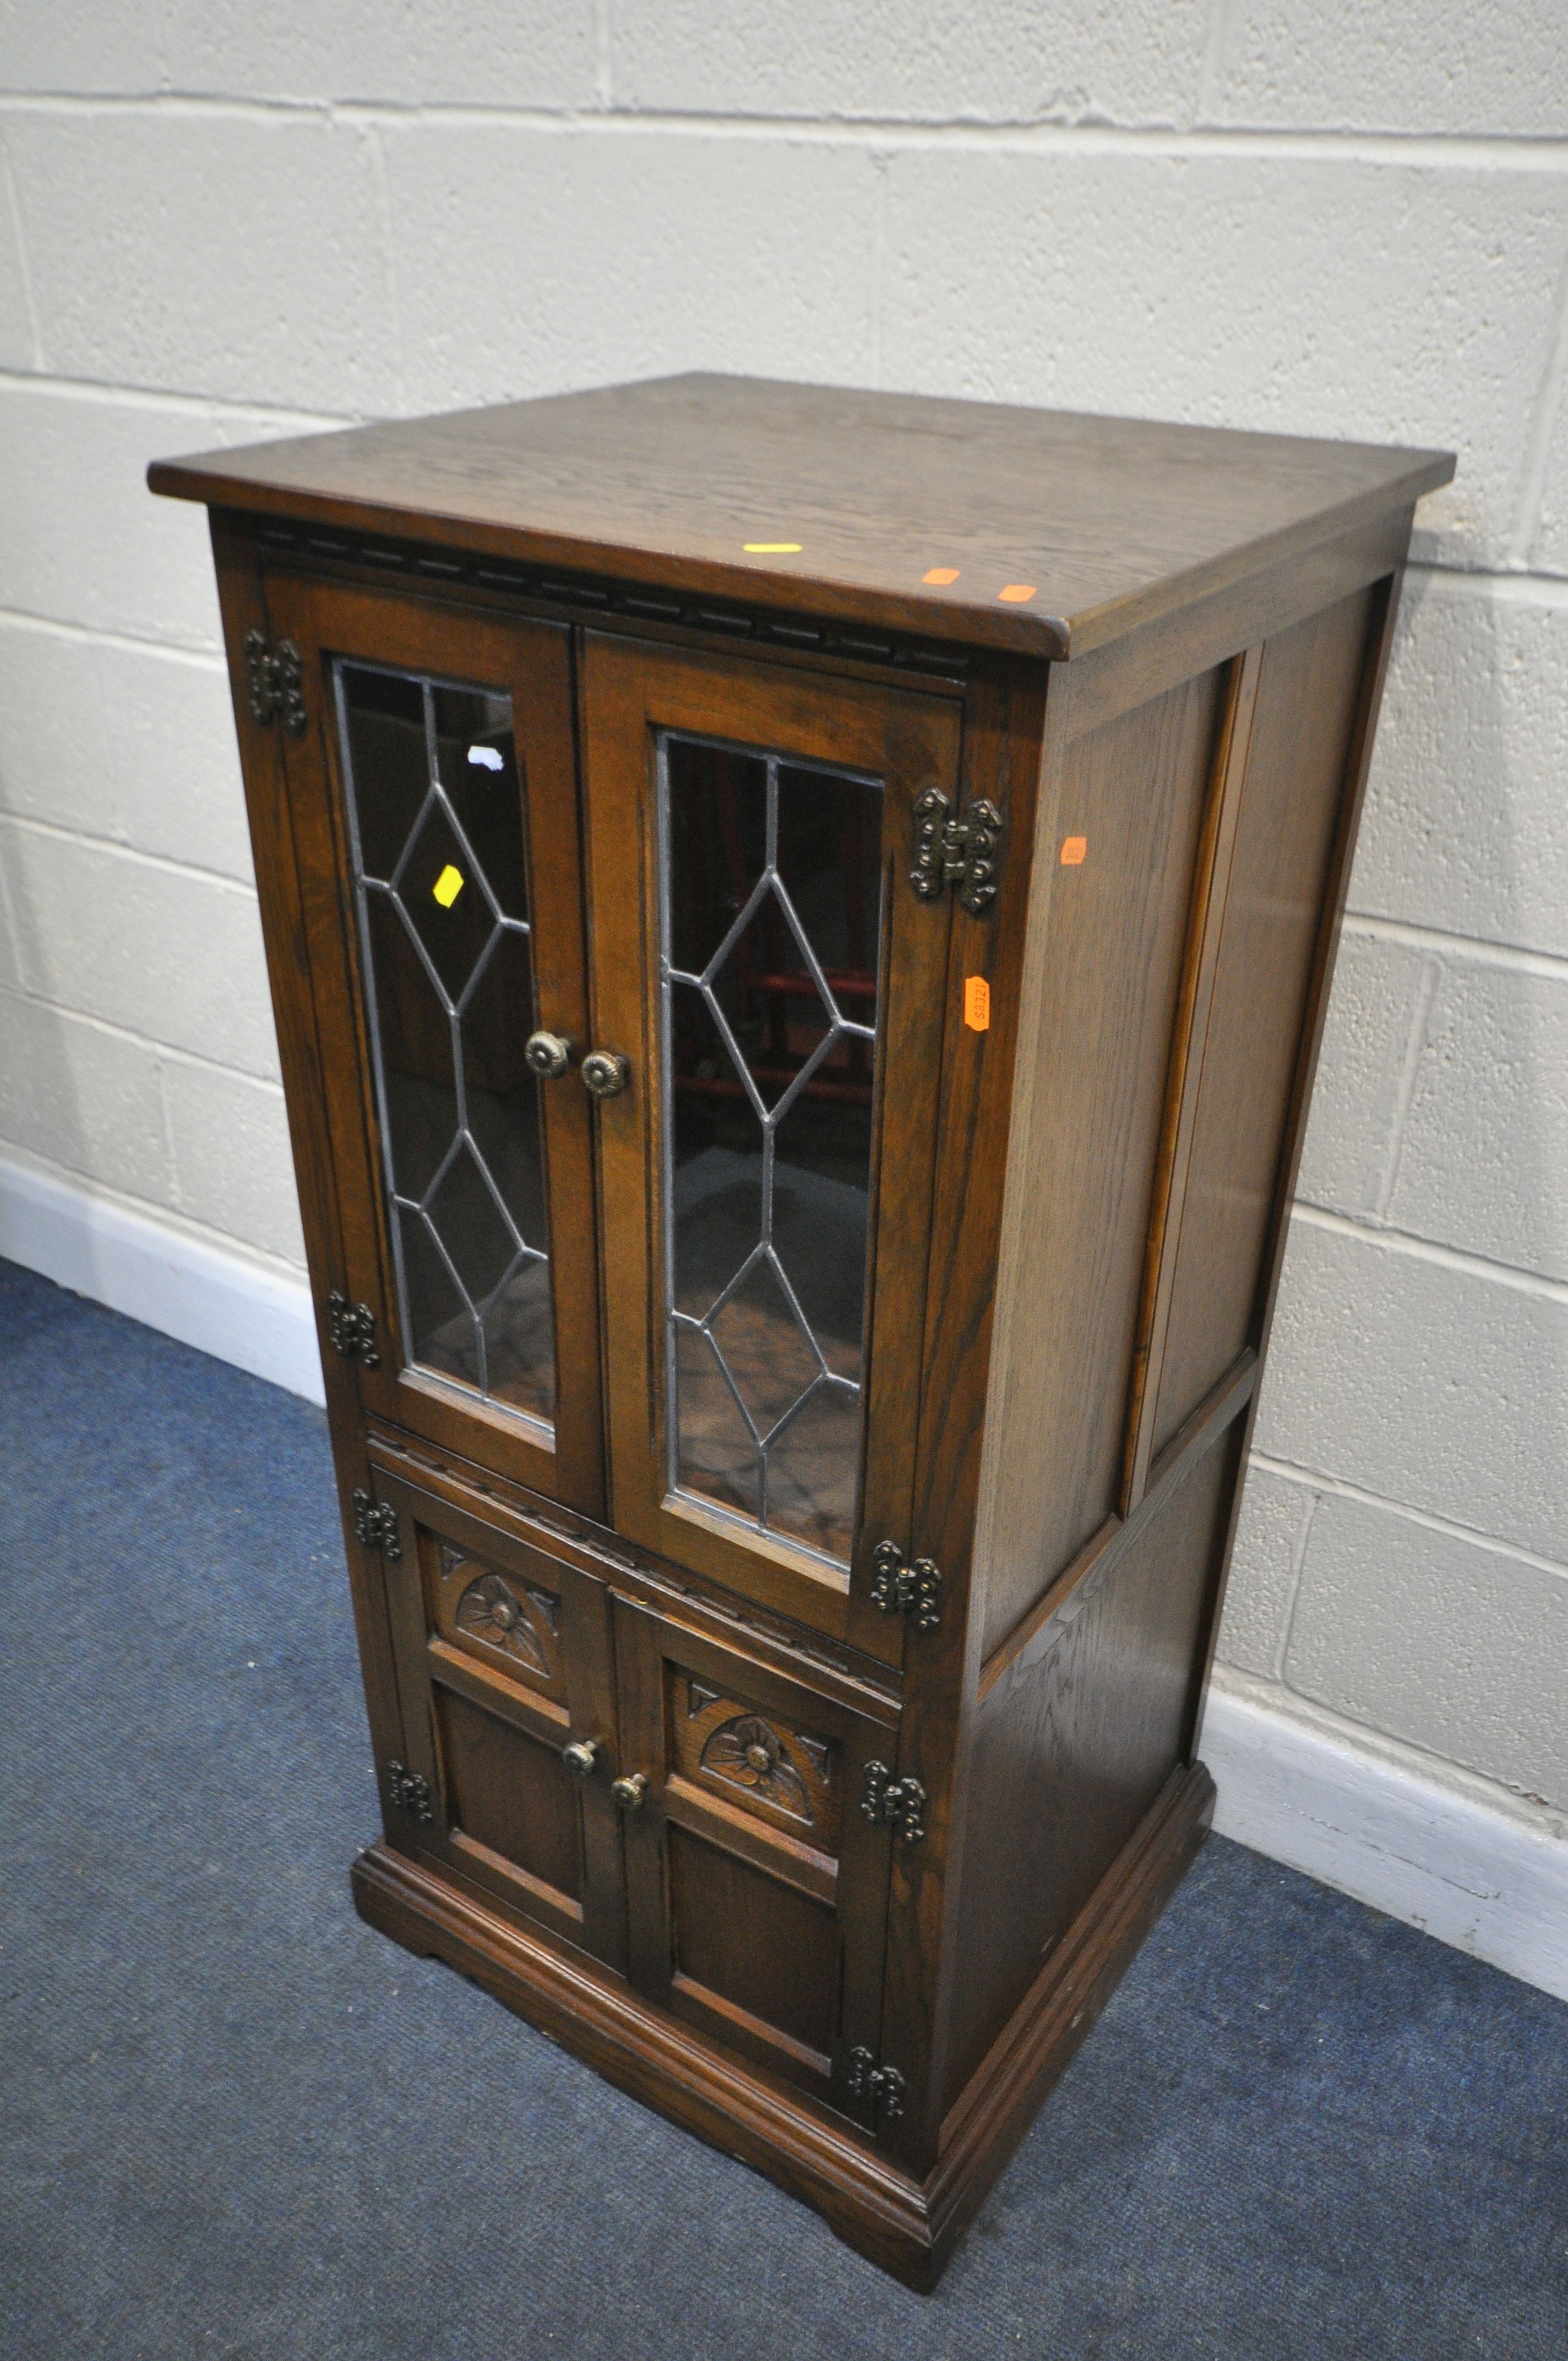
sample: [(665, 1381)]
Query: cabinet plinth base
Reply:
[(909, 2227)]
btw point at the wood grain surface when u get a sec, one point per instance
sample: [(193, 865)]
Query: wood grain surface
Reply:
[(1083, 1117), (1104, 522)]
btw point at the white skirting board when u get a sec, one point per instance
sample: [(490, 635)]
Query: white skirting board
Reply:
[(240, 1312), (1433, 1856), (1437, 1859)]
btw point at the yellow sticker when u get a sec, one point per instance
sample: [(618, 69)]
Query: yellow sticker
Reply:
[(447, 886), (1073, 848), (771, 548), (977, 1003)]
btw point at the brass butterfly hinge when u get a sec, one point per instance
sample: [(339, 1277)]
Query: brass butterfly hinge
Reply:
[(375, 1522), (275, 679), (966, 853), (881, 2088), (352, 1328), (914, 1589), (893, 1803), (409, 1791)]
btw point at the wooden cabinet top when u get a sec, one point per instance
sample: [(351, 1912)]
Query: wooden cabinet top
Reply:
[(1036, 530)]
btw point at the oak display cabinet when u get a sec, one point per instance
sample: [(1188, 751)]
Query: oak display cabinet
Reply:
[(799, 924)]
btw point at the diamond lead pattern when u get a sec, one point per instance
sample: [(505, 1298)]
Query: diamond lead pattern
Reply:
[(769, 1046), (437, 809)]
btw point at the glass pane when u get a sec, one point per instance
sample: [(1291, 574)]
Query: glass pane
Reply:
[(441, 868), (383, 720), (772, 885), (477, 764)]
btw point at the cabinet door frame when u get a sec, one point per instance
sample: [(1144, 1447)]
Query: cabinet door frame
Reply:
[(854, 1885), (426, 1662), (530, 662), (631, 692)]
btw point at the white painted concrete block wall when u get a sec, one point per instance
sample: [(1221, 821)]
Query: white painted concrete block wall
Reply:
[(218, 222)]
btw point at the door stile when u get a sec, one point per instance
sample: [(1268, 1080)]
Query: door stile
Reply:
[(1011, 759), (642, 1723), (286, 940)]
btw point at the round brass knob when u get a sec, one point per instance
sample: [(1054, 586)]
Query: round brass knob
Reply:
[(605, 1073), (628, 1792), (547, 1054), (581, 1758)]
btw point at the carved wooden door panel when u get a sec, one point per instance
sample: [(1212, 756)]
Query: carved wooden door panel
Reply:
[(756, 1885), (776, 988), (503, 1661), (433, 793)]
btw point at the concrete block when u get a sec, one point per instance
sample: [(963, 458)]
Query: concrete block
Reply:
[(1549, 529), (46, 50), (1020, 61), (133, 745), (17, 349), (10, 956), (1466, 823), (521, 53), (1484, 1156), (85, 541), (1273, 1518), (529, 260), (1317, 296), (1431, 1638), (1373, 1006), (233, 1168), (1443, 67), (255, 246), (1427, 1384), (83, 1098), (168, 953)]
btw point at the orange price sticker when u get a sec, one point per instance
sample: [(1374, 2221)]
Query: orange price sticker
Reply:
[(1073, 849), (941, 575), (1018, 594), (977, 1003)]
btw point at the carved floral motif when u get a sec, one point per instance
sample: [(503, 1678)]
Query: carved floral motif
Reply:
[(490, 1610), (750, 1754)]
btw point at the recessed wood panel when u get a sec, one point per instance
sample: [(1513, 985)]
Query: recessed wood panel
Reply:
[(764, 1947), (1302, 734), (1099, 1012), (1073, 1746), (509, 1793)]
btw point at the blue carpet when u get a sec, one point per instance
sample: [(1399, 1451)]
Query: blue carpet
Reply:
[(237, 2122)]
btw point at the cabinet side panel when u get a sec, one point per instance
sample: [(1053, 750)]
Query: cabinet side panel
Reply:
[(1072, 1746), (1090, 1095), (1308, 699)]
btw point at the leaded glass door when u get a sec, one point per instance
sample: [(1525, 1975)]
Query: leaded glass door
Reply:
[(436, 780), (778, 990)]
